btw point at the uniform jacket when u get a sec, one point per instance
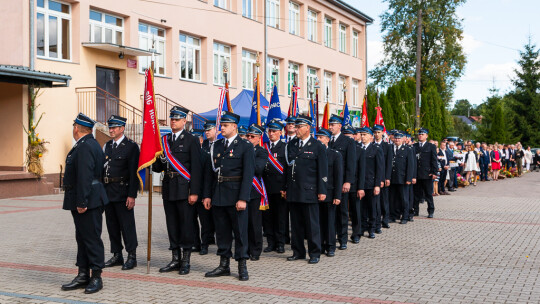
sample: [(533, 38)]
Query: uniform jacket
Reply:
[(121, 162), (359, 167), (307, 171), (347, 148), (426, 160), (82, 178), (402, 168), (273, 180), (237, 161), (485, 158), (187, 150), (335, 175), (372, 170), (388, 155), (261, 158)]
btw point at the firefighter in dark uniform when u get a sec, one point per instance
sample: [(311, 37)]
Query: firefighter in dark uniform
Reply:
[(242, 131), (307, 175), (86, 198), (369, 187), (402, 173), (347, 148), (427, 168), (409, 143), (180, 191), (231, 169), (255, 233), (384, 202), (327, 208), (121, 183), (275, 219)]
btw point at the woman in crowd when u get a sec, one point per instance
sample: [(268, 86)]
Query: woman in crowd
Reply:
[(528, 158), (496, 158), (470, 164)]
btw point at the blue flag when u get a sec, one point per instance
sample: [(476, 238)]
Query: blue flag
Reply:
[(274, 110), (312, 114), (346, 116), (255, 117)]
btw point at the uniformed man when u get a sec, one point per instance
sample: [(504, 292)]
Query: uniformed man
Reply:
[(347, 148), (86, 198), (427, 168), (199, 134), (290, 128), (369, 187), (384, 202), (327, 208), (275, 219), (242, 130), (402, 173), (231, 170), (121, 183), (181, 166), (409, 142), (307, 175)]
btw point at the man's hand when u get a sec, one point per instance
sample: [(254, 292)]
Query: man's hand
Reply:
[(241, 205), (192, 199), (336, 202), (361, 194), (207, 203), (376, 191), (446, 167), (387, 183), (408, 183), (81, 210), (322, 197), (382, 184), (130, 203), (414, 181), (284, 194), (346, 187), (434, 176)]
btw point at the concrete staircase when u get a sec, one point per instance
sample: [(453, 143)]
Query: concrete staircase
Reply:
[(20, 183)]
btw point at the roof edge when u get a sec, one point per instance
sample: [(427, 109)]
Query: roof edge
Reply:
[(351, 9)]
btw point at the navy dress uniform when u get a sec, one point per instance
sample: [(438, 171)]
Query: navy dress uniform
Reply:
[(83, 189), (402, 174), (347, 148), (327, 208), (427, 167), (307, 175), (121, 182), (231, 170), (242, 131), (411, 187), (275, 219), (372, 159), (384, 202), (176, 189)]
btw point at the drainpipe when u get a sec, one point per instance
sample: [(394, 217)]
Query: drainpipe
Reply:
[(32, 35)]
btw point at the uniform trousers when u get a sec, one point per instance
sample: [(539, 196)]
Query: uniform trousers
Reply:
[(423, 189), (399, 197), (179, 217), (411, 199), (327, 217), (204, 231), (369, 204), (275, 220), (121, 224), (384, 202), (228, 221), (90, 250), (356, 214), (342, 218), (305, 225), (255, 234)]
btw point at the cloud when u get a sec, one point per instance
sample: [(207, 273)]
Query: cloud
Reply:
[(375, 53), (470, 44), (501, 72)]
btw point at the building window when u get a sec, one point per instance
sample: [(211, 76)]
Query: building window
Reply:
[(328, 87), (294, 69), (248, 9), (311, 79), (328, 32), (249, 69), (151, 37), (342, 38), (106, 28), (221, 3), (355, 44), (294, 18), (222, 56), (312, 25), (53, 29), (272, 11), (272, 64), (341, 86), (190, 58), (355, 93)]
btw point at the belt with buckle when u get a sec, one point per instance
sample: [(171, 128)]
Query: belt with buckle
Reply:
[(108, 180), (222, 179), (173, 174), (67, 187)]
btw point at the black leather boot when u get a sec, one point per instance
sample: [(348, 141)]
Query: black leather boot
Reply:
[(80, 281), (96, 284), (223, 269), (242, 270), (174, 264), (204, 250), (116, 260), (131, 261), (184, 263)]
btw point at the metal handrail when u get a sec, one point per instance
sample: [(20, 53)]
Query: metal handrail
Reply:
[(164, 106)]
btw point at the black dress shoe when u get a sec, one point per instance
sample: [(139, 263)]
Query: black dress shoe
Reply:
[(342, 246), (280, 249), (392, 220), (269, 249), (403, 222), (416, 214), (378, 231), (174, 264), (185, 263), (242, 270), (222, 270), (294, 258), (385, 225), (80, 281), (254, 257), (355, 240), (131, 261), (96, 284), (314, 260), (204, 250), (411, 219), (430, 215), (371, 235), (452, 190), (330, 253), (116, 260)]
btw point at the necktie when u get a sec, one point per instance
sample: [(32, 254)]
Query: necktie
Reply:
[(271, 146), (226, 144), (333, 140), (301, 144), (114, 145), (395, 149)]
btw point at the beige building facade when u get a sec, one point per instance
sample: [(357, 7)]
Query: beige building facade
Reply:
[(104, 46)]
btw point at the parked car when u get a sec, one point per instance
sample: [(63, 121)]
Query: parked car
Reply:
[(455, 139)]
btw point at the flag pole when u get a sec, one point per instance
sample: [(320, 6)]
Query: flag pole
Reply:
[(316, 104), (150, 190)]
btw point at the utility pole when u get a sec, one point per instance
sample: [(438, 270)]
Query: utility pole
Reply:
[(265, 50), (418, 66)]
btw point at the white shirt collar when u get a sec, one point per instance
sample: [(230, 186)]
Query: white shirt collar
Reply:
[(274, 142), (336, 136), (231, 140), (378, 142), (119, 140), (366, 146), (304, 142)]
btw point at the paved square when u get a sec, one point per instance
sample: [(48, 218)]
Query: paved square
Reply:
[(482, 247)]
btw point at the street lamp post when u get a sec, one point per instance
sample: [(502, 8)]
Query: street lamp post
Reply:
[(418, 66)]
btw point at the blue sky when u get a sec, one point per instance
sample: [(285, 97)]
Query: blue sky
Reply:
[(494, 32)]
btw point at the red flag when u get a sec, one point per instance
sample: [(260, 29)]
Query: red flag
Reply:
[(151, 144), (365, 122), (325, 117), (379, 119)]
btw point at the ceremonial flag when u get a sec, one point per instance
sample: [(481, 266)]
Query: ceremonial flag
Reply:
[(312, 115), (293, 106), (325, 117), (365, 122), (274, 110), (346, 115), (151, 146), (255, 117)]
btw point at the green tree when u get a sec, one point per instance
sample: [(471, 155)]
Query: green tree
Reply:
[(498, 130), (443, 58), (465, 108)]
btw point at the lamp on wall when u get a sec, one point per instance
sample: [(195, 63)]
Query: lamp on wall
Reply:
[(121, 55)]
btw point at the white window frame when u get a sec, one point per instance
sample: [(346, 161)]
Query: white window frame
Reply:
[(271, 64), (194, 49), (341, 84), (221, 4), (220, 57), (343, 38), (327, 87), (328, 32), (272, 10), (106, 26), (355, 93), (249, 8), (47, 13), (355, 44), (293, 68), (150, 36), (249, 69), (294, 18), (311, 79), (312, 25)]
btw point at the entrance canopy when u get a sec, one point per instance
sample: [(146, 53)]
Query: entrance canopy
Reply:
[(24, 75)]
